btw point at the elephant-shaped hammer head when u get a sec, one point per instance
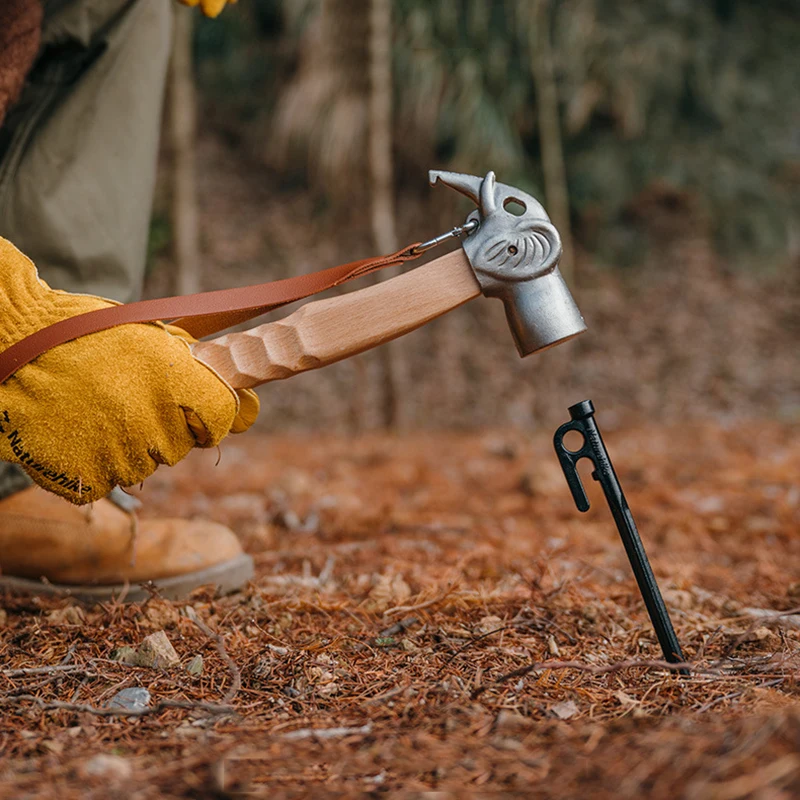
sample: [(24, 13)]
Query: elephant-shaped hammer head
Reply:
[(515, 257)]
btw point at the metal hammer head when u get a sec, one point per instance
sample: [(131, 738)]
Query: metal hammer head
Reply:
[(515, 257)]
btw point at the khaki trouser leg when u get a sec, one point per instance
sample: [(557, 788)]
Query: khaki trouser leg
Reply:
[(77, 180), (78, 152)]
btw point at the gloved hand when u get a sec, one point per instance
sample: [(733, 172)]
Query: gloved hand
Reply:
[(106, 409), (211, 8)]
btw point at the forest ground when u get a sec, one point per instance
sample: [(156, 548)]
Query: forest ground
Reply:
[(431, 617)]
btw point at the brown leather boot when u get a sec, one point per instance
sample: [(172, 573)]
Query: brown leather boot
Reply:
[(97, 552)]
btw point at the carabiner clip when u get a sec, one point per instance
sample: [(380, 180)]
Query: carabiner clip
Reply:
[(460, 230)]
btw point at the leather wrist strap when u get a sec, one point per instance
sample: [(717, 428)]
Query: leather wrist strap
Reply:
[(198, 314)]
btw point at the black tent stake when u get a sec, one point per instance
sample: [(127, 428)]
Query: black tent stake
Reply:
[(594, 449)]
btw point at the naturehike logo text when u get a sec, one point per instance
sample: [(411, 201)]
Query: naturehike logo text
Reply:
[(28, 461)]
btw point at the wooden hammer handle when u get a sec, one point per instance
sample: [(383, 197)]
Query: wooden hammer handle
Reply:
[(326, 331)]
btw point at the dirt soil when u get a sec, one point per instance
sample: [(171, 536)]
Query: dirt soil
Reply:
[(432, 617)]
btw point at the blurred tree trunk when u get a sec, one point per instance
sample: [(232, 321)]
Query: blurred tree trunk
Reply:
[(350, 83), (334, 102), (182, 115), (380, 126), (555, 173), (382, 210)]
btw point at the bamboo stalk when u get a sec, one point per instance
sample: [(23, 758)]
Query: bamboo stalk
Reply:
[(555, 173), (393, 368)]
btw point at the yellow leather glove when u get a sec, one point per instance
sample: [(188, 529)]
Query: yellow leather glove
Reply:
[(211, 8), (106, 409)]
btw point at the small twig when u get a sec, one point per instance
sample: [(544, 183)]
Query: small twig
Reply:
[(113, 711), (398, 627), (541, 666), (153, 592), (79, 689), (68, 655), (63, 668), (701, 651), (419, 606), (789, 619), (327, 733), (570, 638), (514, 625), (733, 695), (727, 655), (48, 679), (219, 641), (472, 642)]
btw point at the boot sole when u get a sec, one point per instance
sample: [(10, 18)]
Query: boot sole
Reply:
[(227, 577)]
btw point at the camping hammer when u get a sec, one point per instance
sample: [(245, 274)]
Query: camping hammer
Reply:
[(506, 255)]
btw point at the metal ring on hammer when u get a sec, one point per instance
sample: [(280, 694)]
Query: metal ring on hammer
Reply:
[(460, 230)]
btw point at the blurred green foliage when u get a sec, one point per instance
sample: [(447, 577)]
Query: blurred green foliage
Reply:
[(677, 116), (158, 240), (242, 56)]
